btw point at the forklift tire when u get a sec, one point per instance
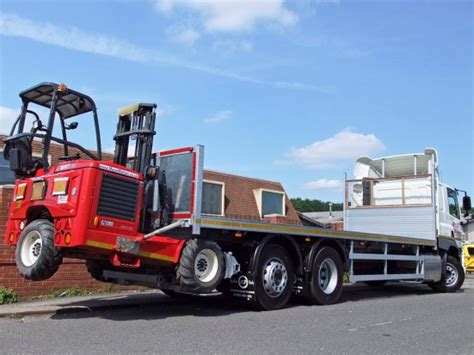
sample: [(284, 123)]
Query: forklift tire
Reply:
[(451, 279), (325, 285), (201, 266), (96, 269), (274, 278), (36, 256)]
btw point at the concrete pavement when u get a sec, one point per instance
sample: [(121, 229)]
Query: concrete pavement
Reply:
[(90, 303)]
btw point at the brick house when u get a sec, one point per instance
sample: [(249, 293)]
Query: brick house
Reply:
[(223, 195), (246, 198)]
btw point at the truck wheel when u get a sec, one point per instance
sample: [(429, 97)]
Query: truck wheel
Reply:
[(96, 269), (326, 277), (274, 278), (201, 266), (452, 278), (36, 256)]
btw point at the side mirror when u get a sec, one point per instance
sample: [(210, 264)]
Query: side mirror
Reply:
[(466, 203)]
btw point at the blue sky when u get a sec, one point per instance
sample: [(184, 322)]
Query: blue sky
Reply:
[(292, 91)]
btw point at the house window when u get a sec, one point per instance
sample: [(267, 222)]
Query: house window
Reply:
[(7, 177), (270, 202), (213, 198)]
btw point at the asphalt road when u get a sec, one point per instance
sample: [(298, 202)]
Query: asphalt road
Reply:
[(398, 318)]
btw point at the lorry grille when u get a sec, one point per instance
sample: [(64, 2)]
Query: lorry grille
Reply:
[(118, 197)]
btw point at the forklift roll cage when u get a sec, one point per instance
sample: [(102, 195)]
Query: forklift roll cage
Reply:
[(64, 102)]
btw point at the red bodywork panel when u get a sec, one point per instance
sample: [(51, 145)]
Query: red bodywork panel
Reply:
[(77, 224)]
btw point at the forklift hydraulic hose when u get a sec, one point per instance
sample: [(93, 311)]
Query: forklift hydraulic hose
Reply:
[(177, 224)]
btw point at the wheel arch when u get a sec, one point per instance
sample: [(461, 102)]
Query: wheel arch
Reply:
[(449, 247), (37, 212), (454, 252), (318, 245), (290, 245)]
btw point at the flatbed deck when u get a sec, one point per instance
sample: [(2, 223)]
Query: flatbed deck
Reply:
[(224, 223)]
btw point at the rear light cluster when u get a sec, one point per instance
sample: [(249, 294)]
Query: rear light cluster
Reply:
[(39, 188), (62, 235)]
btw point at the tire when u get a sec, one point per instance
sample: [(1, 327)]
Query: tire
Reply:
[(378, 283), (274, 278), (36, 256), (96, 269), (201, 266), (451, 279), (325, 285)]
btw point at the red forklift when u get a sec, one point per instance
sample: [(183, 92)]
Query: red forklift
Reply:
[(128, 214), (137, 220)]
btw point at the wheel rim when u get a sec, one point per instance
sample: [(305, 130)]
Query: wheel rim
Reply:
[(31, 248), (327, 276), (452, 275), (274, 277), (206, 265)]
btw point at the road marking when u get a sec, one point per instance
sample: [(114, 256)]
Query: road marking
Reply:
[(379, 324)]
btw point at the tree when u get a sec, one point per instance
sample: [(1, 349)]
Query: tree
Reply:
[(307, 205)]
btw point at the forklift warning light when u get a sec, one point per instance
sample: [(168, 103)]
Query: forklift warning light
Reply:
[(20, 192), (38, 191), (62, 87), (60, 186)]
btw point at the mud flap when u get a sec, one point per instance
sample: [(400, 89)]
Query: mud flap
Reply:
[(242, 286)]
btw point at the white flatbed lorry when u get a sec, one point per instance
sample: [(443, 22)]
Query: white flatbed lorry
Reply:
[(141, 220), (401, 223)]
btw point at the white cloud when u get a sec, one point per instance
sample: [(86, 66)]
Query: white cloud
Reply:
[(7, 118), (186, 36), (79, 40), (219, 117), (234, 16), (230, 47), (343, 146), (71, 38), (323, 184)]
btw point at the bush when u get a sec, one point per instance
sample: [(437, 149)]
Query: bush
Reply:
[(7, 295)]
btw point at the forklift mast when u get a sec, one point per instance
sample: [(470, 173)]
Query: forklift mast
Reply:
[(136, 122)]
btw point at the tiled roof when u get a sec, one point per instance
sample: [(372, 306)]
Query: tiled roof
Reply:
[(240, 200)]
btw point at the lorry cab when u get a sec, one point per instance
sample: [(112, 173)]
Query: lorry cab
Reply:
[(449, 212)]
